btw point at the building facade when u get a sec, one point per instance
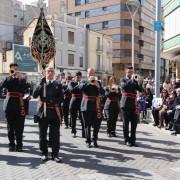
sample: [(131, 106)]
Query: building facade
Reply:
[(100, 54), (171, 39), (147, 38), (57, 7), (6, 23), (70, 44), (110, 17)]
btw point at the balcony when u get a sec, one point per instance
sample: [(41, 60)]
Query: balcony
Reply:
[(99, 48)]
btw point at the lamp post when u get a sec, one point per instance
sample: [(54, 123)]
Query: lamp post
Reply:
[(136, 4)]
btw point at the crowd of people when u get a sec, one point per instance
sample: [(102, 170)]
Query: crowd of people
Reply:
[(71, 98)]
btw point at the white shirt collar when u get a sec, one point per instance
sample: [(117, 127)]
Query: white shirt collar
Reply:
[(49, 81)]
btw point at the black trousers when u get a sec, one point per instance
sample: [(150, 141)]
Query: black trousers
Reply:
[(111, 116), (129, 116), (15, 127), (90, 120), (155, 113), (74, 114), (53, 123), (66, 115)]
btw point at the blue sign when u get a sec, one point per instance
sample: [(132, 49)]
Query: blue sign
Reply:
[(157, 26), (24, 60)]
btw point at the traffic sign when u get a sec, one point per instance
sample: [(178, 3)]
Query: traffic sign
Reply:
[(158, 26), (23, 58)]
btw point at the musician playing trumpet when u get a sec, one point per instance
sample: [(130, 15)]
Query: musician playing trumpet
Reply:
[(14, 107), (129, 87), (90, 108), (111, 107)]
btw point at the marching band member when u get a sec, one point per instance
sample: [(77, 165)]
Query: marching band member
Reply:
[(129, 87), (112, 109), (75, 103), (14, 107), (90, 108), (53, 98), (66, 102)]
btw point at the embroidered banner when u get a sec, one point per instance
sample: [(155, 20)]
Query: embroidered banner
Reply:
[(43, 43)]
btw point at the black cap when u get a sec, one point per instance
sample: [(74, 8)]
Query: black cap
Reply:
[(13, 64), (129, 67), (78, 73)]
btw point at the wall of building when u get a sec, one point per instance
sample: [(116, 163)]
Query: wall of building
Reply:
[(171, 44), (147, 49), (6, 22), (110, 17), (99, 54)]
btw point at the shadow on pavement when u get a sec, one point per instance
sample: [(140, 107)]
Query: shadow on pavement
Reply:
[(32, 162), (91, 160)]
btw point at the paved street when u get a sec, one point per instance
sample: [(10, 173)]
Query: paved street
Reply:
[(158, 157)]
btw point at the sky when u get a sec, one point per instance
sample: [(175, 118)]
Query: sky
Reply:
[(29, 1)]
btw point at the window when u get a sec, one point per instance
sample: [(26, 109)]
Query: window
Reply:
[(81, 61), (87, 13), (98, 43), (86, 1), (70, 37), (98, 61), (105, 8), (141, 43), (105, 24), (77, 2), (70, 59), (141, 28), (77, 13), (141, 57)]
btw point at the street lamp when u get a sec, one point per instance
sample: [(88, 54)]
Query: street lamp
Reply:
[(136, 4)]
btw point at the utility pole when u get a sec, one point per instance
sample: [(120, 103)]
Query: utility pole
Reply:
[(158, 28)]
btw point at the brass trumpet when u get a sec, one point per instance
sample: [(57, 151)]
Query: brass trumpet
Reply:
[(114, 88), (12, 72), (136, 77)]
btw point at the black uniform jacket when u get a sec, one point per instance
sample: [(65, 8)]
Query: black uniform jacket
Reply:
[(112, 100), (129, 87), (12, 84), (67, 96), (54, 94), (74, 88), (90, 92)]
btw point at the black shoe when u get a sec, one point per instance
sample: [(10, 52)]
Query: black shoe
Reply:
[(95, 144), (109, 135), (12, 148), (174, 133), (44, 158), (134, 145), (74, 135), (89, 145), (114, 135), (66, 127), (129, 144), (19, 149), (83, 136), (57, 159)]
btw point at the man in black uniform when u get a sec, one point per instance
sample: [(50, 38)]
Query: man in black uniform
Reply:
[(14, 107), (129, 87), (91, 109), (65, 104), (52, 119), (75, 103)]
